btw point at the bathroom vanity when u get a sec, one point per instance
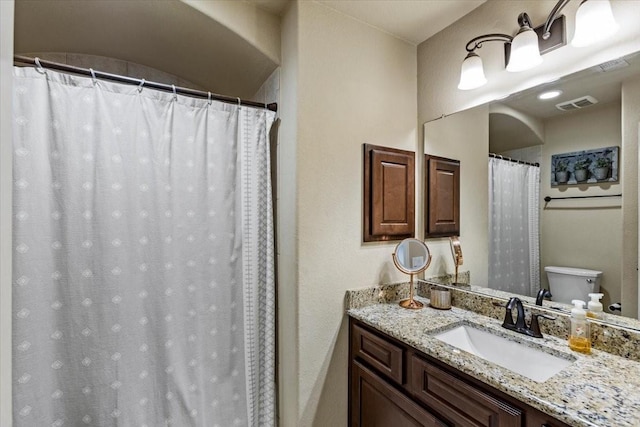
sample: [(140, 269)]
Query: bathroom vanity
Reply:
[(402, 374), (393, 381)]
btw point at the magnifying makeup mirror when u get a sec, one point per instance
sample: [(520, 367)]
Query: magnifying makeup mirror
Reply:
[(456, 251), (411, 256)]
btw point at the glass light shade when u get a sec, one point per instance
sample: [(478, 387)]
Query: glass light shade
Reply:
[(594, 22), (472, 73), (525, 53)]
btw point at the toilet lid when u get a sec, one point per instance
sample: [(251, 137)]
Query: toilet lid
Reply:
[(573, 271)]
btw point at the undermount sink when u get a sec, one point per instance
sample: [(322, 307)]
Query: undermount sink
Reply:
[(519, 358)]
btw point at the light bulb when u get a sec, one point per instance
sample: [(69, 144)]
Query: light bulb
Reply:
[(550, 94), (472, 73), (594, 22), (525, 53)]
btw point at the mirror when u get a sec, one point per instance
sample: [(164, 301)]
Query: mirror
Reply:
[(411, 256), (594, 232)]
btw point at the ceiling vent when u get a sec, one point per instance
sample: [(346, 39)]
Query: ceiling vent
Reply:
[(576, 104), (612, 65)]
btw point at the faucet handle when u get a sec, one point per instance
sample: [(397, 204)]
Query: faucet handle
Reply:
[(535, 325)]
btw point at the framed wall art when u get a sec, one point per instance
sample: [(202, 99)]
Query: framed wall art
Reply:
[(585, 167)]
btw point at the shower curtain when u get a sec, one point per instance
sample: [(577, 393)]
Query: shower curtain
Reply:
[(143, 265), (514, 237)]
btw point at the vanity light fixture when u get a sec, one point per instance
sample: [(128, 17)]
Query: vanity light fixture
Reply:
[(594, 22), (550, 94)]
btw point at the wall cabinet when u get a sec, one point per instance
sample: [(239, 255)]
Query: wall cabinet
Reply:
[(442, 209), (392, 384), (388, 194)]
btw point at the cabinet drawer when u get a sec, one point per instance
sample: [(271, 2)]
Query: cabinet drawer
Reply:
[(379, 353), (460, 403)]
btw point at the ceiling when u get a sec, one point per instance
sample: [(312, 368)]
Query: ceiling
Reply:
[(507, 132), (276, 7), (602, 85), (166, 35), (411, 20), (174, 37), (510, 131)]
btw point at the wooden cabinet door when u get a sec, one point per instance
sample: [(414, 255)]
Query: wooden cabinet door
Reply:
[(376, 403), (459, 402), (389, 194), (442, 210)]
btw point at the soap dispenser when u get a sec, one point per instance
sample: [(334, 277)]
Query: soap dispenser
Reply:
[(595, 307), (579, 336)]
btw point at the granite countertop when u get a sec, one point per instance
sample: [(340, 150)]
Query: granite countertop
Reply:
[(597, 390)]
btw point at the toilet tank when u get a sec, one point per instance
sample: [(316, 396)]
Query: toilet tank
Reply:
[(569, 283)]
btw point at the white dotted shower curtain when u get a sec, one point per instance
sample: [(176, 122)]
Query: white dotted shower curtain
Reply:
[(143, 265), (514, 237)]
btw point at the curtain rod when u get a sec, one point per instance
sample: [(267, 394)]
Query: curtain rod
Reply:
[(548, 198), (19, 59), (498, 156)]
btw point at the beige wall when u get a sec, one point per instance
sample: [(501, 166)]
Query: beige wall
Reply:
[(287, 224), (270, 90), (258, 27), (354, 85), (6, 156), (113, 66), (464, 136), (583, 233)]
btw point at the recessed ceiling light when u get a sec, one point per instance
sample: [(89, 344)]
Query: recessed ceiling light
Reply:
[(550, 94)]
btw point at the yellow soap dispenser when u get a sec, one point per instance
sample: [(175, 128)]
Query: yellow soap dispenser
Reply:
[(579, 336)]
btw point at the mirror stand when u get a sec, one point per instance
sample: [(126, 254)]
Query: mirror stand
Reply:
[(412, 257), (411, 303)]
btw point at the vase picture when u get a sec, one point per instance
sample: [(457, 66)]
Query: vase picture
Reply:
[(562, 177), (601, 173), (586, 167), (581, 174)]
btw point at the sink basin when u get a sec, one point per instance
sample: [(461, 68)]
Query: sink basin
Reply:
[(519, 358)]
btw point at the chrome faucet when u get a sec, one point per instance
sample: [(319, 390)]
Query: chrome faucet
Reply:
[(520, 326)]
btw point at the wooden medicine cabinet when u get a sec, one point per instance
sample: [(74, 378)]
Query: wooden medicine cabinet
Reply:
[(442, 196), (388, 194)]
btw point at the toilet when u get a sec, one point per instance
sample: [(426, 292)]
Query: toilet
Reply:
[(569, 283)]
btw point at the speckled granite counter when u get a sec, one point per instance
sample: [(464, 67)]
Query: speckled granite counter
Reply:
[(597, 390)]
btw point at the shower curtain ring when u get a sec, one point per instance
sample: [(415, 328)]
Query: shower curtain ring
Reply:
[(209, 98), (93, 76), (141, 85), (239, 103), (175, 94), (39, 67)]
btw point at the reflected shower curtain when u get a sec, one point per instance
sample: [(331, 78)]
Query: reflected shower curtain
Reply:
[(514, 238), (143, 263)]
